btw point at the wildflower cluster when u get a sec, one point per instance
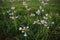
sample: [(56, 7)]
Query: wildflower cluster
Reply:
[(23, 30)]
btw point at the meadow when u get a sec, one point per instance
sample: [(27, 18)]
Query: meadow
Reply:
[(29, 20)]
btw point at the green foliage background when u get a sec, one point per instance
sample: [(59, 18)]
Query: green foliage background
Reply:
[(9, 29)]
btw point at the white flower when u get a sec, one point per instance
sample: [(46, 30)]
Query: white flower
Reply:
[(40, 7), (45, 24), (52, 22), (12, 8), (8, 11), (16, 17), (45, 18), (27, 27), (46, 14), (23, 31), (34, 22), (32, 15), (38, 23), (25, 35), (24, 28), (26, 6), (14, 11), (42, 2), (45, 3), (11, 13), (42, 10), (20, 28), (24, 3), (12, 17), (42, 21), (38, 12), (48, 27)]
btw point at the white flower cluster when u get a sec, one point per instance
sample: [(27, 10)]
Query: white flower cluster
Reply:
[(38, 12), (23, 30), (12, 8), (42, 22), (32, 15), (44, 2), (12, 17), (46, 16), (11, 13), (26, 6)]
